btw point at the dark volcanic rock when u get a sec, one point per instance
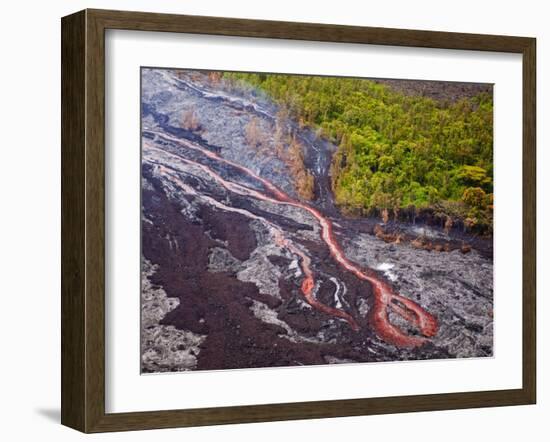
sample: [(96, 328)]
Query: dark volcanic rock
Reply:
[(221, 288), (446, 91)]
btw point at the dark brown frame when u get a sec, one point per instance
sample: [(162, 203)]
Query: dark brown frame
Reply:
[(83, 215)]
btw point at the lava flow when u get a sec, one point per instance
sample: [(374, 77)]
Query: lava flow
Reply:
[(384, 296)]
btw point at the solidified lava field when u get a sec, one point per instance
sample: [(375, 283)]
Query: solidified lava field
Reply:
[(239, 271)]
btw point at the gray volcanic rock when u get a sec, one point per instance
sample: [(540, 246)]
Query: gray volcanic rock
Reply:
[(221, 126), (225, 258), (163, 347), (456, 287), (221, 260)]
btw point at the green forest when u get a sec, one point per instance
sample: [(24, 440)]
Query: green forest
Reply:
[(395, 151)]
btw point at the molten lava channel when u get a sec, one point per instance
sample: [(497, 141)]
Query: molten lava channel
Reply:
[(385, 297)]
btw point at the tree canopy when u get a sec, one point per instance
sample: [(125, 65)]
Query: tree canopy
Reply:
[(394, 150)]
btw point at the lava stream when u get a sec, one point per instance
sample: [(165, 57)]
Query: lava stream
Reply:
[(384, 296), (308, 284)]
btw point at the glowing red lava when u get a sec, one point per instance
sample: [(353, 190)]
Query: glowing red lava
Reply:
[(384, 296)]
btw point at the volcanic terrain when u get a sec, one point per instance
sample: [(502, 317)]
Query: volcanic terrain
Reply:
[(240, 271)]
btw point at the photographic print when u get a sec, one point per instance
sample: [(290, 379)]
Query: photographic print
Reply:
[(298, 220)]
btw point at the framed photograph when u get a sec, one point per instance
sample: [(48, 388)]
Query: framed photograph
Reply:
[(267, 220)]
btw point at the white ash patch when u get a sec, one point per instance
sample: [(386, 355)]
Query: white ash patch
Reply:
[(363, 307), (427, 232), (172, 242), (385, 268), (339, 293), (144, 219), (294, 266)]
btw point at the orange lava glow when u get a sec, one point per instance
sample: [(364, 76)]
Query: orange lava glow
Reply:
[(385, 298)]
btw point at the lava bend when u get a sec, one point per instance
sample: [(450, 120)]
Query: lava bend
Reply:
[(385, 297)]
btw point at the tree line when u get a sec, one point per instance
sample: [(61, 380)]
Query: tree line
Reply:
[(396, 152)]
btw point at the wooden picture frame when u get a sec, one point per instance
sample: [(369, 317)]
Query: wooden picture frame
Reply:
[(83, 220)]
